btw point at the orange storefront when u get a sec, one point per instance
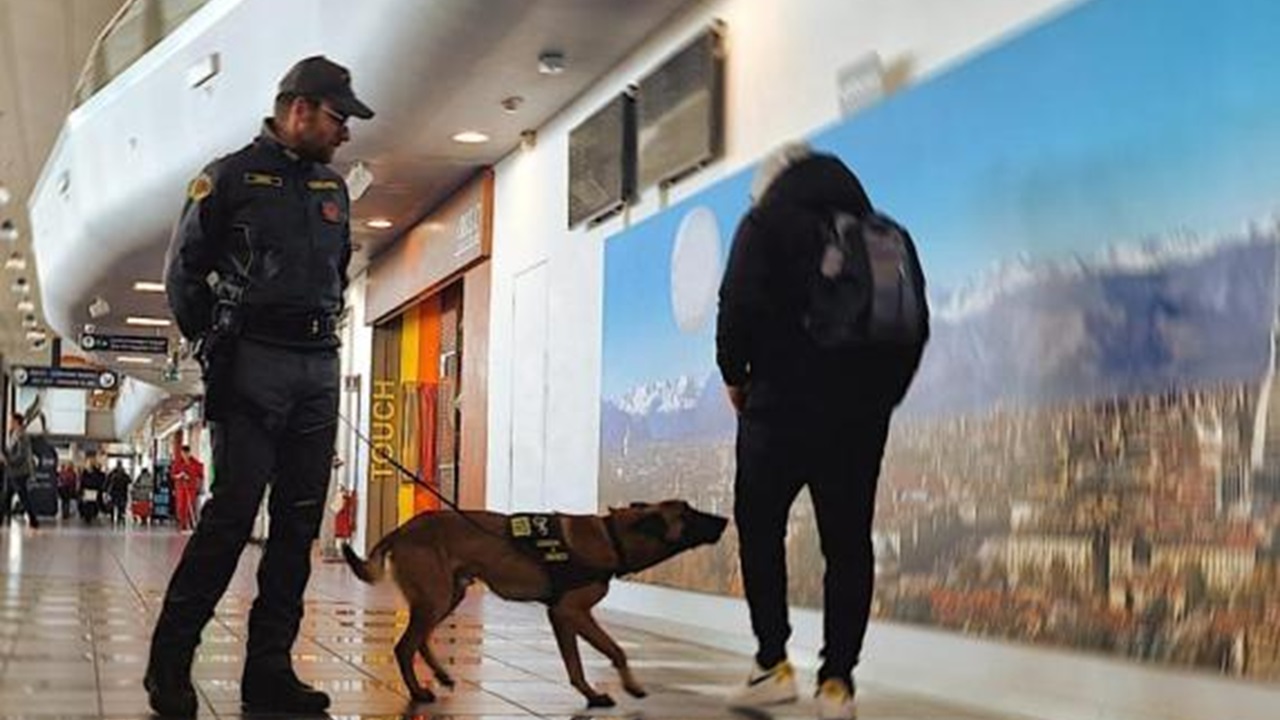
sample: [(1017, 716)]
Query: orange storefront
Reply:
[(428, 300)]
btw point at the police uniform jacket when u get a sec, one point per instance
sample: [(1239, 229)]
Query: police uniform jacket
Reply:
[(278, 224)]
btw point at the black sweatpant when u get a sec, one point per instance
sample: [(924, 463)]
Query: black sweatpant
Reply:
[(282, 430), (839, 460)]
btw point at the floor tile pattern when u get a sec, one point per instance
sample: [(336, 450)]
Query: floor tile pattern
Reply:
[(77, 604)]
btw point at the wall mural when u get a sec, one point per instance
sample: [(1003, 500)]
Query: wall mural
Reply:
[(1090, 456)]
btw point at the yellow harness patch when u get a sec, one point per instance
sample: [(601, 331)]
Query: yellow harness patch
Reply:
[(540, 534), (322, 184)]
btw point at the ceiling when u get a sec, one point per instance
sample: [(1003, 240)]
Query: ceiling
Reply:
[(43, 47), (429, 69)]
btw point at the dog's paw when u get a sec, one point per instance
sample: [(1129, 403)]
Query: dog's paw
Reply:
[(636, 691), (445, 681), (600, 701), (423, 695)]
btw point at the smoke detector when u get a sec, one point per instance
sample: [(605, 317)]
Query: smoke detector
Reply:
[(551, 62), (99, 308)]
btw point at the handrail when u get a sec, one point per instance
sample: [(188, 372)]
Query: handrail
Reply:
[(154, 19)]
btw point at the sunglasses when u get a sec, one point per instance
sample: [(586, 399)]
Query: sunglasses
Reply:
[(334, 114)]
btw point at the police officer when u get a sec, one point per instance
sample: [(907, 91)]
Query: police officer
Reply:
[(255, 274)]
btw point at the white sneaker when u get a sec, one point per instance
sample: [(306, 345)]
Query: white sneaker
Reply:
[(835, 700), (766, 687)]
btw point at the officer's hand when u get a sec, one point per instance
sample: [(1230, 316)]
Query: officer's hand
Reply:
[(737, 396)]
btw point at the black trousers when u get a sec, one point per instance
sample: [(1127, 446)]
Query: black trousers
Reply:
[(839, 461), (280, 430), (18, 486), (65, 496)]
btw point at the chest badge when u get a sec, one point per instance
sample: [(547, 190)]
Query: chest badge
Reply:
[(330, 211), (263, 179)]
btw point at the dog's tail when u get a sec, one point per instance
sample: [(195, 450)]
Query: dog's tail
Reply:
[(370, 570)]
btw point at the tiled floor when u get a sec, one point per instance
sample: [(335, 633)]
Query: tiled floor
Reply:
[(77, 605)]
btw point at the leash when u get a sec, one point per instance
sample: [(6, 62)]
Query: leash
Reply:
[(384, 455), (417, 479)]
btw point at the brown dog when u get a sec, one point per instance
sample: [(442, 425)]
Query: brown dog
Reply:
[(568, 566)]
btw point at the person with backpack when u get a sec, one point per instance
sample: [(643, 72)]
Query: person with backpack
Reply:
[(93, 490), (821, 326), (118, 481), (20, 467), (68, 488), (141, 493)]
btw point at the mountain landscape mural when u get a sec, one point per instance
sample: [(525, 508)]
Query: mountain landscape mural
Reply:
[(1090, 454)]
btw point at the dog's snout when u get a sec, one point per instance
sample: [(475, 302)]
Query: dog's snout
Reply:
[(718, 525), (706, 528)]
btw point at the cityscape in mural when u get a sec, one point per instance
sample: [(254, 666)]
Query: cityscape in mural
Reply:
[(1090, 455)]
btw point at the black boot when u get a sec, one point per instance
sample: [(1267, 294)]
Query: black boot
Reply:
[(280, 691), (168, 684)]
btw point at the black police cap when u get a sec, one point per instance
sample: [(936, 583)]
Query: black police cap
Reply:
[(320, 77)]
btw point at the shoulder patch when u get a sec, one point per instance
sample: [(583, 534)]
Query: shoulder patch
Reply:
[(256, 178), (200, 188), (323, 184)]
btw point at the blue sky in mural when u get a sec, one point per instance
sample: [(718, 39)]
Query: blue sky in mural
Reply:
[(1123, 120)]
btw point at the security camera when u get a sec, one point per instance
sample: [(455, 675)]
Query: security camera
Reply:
[(99, 308)]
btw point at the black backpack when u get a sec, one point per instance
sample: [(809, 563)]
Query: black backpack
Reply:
[(866, 288)]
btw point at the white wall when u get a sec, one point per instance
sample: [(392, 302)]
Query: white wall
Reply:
[(357, 359), (783, 59), (134, 405)]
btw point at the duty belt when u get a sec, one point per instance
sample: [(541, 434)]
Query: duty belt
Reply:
[(303, 327)]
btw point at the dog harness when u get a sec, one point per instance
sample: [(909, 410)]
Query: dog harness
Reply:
[(539, 535)]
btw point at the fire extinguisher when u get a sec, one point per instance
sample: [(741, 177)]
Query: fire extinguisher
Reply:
[(344, 522)]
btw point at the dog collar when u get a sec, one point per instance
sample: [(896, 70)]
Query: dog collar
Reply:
[(611, 529)]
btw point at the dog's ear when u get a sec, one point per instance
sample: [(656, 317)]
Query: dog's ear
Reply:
[(653, 525)]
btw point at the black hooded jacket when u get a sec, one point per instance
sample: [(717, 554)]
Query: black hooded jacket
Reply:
[(760, 342)]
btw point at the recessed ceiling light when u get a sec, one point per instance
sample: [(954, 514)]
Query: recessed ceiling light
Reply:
[(30, 323), (379, 223), (148, 286), (36, 335), (471, 137), (5, 195), (15, 262), (26, 306), (21, 286), (8, 231), (133, 360), (147, 321)]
